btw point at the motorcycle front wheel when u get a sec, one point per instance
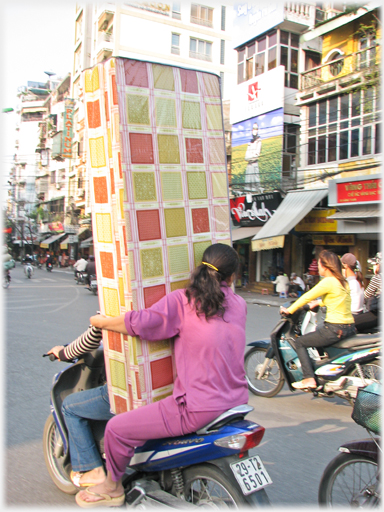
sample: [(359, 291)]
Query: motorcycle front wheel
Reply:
[(272, 380), (206, 485), (58, 465), (350, 481)]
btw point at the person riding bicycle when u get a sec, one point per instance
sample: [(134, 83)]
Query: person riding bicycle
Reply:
[(207, 321), (339, 323)]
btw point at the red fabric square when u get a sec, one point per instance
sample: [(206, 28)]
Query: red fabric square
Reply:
[(161, 372), (120, 404), (200, 220), (106, 105), (148, 223), (152, 294), (194, 149), (106, 262), (114, 90), (93, 111), (141, 148), (136, 73), (138, 388), (100, 189), (114, 341), (189, 81)]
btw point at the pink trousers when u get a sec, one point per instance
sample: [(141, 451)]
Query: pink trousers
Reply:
[(158, 420)]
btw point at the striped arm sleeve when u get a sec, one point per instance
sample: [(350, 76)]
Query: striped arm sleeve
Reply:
[(88, 341), (374, 287)]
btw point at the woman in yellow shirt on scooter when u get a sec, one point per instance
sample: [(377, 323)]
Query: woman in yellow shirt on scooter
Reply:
[(333, 292)]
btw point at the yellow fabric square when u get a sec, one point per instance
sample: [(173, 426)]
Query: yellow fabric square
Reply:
[(165, 112), (121, 291), (197, 185), (151, 263), (222, 218), (132, 273), (163, 77), (92, 79), (171, 186), (104, 227), (121, 194), (214, 119), (212, 86), (117, 371), (175, 222), (219, 184), (138, 109), (178, 259), (117, 127), (158, 346), (97, 152), (111, 302), (168, 149), (198, 251), (144, 186), (216, 151), (179, 285), (190, 111), (109, 143)]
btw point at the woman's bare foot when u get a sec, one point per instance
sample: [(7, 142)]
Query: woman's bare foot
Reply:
[(109, 487), (93, 477)]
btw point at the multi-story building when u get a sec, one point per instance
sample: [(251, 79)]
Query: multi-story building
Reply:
[(185, 34), (337, 204)]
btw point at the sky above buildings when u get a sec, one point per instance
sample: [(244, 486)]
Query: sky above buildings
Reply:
[(35, 37)]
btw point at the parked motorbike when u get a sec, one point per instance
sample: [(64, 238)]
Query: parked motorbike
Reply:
[(210, 467), (340, 369), (352, 477), (28, 270)]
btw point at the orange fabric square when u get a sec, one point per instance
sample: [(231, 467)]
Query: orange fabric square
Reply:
[(148, 225), (120, 404), (112, 181), (138, 388), (114, 341), (106, 261), (161, 372), (106, 105), (100, 189), (93, 111), (200, 220), (152, 294), (119, 265), (114, 90)]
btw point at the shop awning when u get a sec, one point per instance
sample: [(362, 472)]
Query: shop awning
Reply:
[(293, 208), (64, 243), (48, 241), (356, 213), (244, 232), (86, 243)]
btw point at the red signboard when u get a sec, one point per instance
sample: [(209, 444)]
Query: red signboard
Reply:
[(359, 191)]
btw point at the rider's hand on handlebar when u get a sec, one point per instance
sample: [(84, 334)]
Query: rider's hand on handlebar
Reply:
[(97, 320), (56, 350), (314, 304), (284, 311)]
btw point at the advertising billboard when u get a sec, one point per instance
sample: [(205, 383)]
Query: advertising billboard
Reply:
[(257, 146), (254, 18)]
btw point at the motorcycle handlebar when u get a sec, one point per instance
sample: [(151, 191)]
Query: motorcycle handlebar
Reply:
[(52, 357)]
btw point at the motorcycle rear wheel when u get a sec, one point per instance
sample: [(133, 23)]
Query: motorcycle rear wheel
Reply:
[(58, 467), (207, 485), (6, 281), (272, 381), (349, 480), (371, 371)]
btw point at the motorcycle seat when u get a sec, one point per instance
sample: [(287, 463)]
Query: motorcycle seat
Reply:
[(358, 341), (235, 413)]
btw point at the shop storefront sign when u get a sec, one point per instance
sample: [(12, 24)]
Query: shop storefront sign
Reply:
[(57, 227), (265, 244), (318, 221), (354, 191), (68, 128), (254, 210), (333, 239)]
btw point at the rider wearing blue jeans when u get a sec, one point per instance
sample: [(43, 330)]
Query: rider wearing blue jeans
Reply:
[(78, 409)]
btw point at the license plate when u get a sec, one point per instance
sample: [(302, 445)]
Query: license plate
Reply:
[(93, 283), (251, 474)]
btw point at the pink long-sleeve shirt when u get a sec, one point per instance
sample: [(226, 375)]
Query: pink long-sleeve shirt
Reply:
[(209, 354)]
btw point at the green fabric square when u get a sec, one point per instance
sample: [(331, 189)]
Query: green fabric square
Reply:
[(178, 259), (198, 251), (165, 112), (214, 119), (163, 77), (144, 186), (171, 186), (191, 115), (138, 109), (197, 185), (151, 263), (117, 371), (168, 149), (175, 222)]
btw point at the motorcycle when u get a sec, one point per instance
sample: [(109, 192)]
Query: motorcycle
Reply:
[(352, 477), (340, 369), (210, 467), (49, 267), (93, 284), (28, 270), (80, 277), (6, 278)]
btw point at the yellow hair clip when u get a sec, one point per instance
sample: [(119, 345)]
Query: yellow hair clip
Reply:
[(209, 265)]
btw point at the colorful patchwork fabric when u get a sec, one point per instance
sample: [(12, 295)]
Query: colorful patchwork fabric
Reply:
[(159, 196)]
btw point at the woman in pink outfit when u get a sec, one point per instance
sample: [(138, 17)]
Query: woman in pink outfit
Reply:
[(207, 321)]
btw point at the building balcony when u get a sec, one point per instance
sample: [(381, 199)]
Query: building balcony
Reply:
[(301, 13), (200, 56), (201, 21), (105, 37)]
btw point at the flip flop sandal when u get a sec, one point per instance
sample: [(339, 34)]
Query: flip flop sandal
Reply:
[(107, 500), (75, 479)]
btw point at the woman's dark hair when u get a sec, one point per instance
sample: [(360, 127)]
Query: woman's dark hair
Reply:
[(358, 274), (331, 261), (204, 287)]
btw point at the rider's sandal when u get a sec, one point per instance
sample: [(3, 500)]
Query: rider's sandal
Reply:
[(300, 385), (106, 501)]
